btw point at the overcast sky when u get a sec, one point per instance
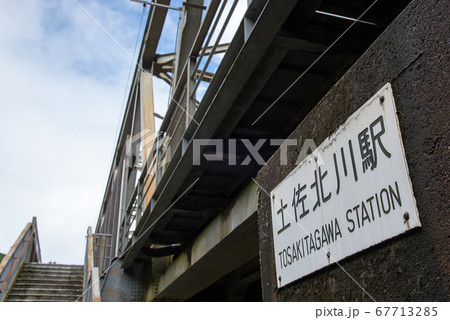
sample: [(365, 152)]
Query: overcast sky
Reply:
[(62, 85)]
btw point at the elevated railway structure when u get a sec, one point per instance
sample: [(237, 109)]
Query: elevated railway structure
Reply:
[(177, 206), (186, 214)]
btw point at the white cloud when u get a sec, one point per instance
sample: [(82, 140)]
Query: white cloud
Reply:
[(62, 81)]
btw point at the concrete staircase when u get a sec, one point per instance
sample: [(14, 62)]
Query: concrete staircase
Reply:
[(47, 283)]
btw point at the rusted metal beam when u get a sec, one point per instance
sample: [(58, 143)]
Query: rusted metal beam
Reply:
[(147, 52), (191, 19), (203, 31), (154, 28)]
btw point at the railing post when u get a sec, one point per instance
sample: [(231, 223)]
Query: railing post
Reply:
[(101, 261), (90, 251), (158, 165), (190, 94), (91, 286), (37, 246), (140, 199), (95, 283)]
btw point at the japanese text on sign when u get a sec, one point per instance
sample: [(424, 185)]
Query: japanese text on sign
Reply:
[(357, 195)]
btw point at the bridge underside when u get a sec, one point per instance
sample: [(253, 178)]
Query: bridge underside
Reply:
[(271, 52)]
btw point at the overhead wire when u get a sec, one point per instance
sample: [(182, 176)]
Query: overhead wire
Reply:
[(276, 100), (314, 62), (132, 64)]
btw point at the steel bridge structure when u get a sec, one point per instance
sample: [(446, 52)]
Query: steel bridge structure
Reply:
[(177, 226)]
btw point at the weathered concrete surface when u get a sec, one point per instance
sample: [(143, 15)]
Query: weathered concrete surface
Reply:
[(413, 55), (227, 243)]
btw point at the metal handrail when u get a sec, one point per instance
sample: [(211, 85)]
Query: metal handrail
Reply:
[(134, 207), (196, 73), (216, 44), (211, 32), (25, 249), (198, 50), (102, 251), (176, 124)]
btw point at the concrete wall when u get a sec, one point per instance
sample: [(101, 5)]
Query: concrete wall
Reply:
[(227, 243), (413, 55)]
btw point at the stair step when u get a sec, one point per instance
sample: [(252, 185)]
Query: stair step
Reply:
[(29, 284), (47, 291), (51, 274), (42, 296), (47, 282), (33, 269), (52, 265), (40, 300), (56, 281), (49, 277), (62, 270)]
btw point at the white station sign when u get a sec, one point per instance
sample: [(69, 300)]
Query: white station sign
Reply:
[(351, 193)]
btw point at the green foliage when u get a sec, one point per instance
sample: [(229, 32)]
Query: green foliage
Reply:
[(1, 256)]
